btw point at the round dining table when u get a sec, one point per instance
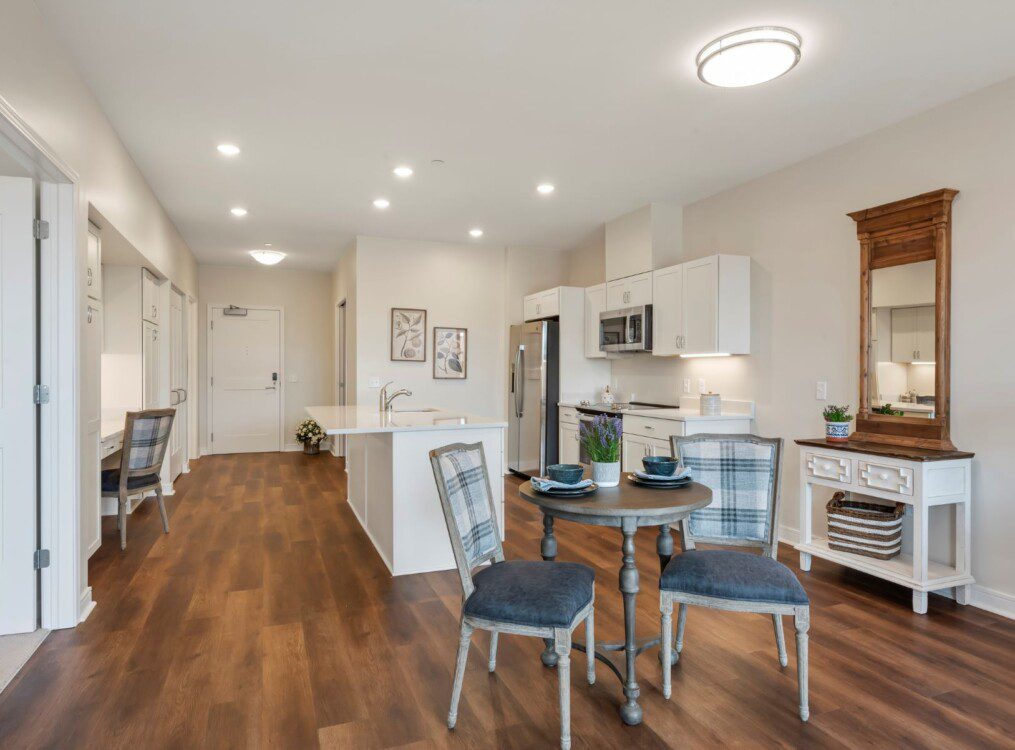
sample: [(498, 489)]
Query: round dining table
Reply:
[(628, 506)]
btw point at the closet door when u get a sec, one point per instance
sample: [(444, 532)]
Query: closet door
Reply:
[(150, 365)]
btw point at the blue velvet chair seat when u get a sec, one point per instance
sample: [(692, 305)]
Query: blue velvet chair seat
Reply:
[(730, 574), (530, 592), (111, 481)]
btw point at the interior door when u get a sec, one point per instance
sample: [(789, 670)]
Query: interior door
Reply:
[(177, 384), (149, 365), (18, 490), (245, 356)]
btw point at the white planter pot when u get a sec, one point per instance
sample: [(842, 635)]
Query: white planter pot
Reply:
[(606, 475), (837, 432)]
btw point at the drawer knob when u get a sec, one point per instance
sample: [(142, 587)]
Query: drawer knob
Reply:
[(883, 475)]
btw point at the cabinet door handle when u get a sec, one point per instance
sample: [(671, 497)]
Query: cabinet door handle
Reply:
[(90, 311), (90, 277)]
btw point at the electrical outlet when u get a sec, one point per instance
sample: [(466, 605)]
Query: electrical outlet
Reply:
[(701, 385), (687, 386), (821, 390), (374, 382)]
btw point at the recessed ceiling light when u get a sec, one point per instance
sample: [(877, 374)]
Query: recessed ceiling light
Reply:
[(477, 232), (238, 211), (436, 162), (267, 257), (382, 203), (749, 56), (402, 172), (228, 149), (545, 189)]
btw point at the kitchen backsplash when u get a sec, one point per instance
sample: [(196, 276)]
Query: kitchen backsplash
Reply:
[(661, 380)]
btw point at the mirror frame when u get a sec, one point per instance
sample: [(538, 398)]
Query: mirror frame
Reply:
[(894, 234)]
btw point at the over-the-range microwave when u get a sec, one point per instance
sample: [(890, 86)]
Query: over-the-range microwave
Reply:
[(626, 330)]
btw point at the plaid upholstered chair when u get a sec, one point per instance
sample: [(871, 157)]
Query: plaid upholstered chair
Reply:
[(743, 474), (522, 597), (145, 437)]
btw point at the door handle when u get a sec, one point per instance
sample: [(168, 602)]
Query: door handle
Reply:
[(520, 389)]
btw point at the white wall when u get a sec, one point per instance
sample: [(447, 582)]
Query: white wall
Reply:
[(805, 302), (38, 80), (306, 298)]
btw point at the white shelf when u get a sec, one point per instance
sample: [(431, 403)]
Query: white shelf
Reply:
[(898, 570)]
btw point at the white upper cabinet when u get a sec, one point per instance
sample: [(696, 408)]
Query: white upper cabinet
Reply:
[(643, 240), (595, 303), (703, 307), (668, 311), (93, 269), (629, 292), (542, 304), (913, 334), (149, 297)]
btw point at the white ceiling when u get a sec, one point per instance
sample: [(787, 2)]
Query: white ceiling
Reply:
[(599, 97)]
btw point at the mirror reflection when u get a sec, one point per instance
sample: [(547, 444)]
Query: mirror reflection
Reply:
[(902, 320)]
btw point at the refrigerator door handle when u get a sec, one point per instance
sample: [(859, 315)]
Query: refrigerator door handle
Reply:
[(519, 381)]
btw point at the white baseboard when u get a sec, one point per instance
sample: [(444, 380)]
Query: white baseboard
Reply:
[(292, 447), (788, 534), (167, 489), (85, 604)]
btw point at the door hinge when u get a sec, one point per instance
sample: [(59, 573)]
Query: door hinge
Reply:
[(213, 325), (213, 380), (213, 437), (41, 394), (41, 559), (40, 229)]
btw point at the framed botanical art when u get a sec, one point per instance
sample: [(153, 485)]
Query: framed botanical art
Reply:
[(408, 335), (450, 356)]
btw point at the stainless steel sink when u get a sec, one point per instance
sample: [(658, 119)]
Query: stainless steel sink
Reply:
[(409, 410)]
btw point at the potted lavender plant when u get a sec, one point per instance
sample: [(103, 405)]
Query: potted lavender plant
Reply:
[(601, 440)]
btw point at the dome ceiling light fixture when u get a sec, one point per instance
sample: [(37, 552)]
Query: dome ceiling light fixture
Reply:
[(749, 56), (267, 257)]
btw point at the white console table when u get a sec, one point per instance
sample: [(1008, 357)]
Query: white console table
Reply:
[(922, 479)]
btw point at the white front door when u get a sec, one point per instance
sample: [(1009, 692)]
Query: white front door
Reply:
[(245, 381), (177, 384), (18, 491)]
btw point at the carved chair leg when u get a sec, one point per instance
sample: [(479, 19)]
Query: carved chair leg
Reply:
[(780, 639), (493, 650), (666, 642), (162, 509), (590, 648), (681, 622), (562, 648), (122, 520), (802, 621), (463, 654)]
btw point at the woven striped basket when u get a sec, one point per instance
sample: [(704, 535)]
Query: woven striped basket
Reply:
[(867, 529)]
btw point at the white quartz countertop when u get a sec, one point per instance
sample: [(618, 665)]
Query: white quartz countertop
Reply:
[(903, 406), (352, 420), (689, 411)]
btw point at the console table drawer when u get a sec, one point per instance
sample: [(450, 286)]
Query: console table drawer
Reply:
[(888, 478), (834, 468)]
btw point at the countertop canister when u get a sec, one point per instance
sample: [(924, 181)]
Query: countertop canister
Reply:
[(711, 404)]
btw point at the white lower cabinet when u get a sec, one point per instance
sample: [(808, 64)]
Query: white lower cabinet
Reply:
[(569, 449), (637, 447)]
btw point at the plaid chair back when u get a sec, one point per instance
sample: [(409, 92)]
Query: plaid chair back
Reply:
[(464, 487), (742, 471), (146, 439)]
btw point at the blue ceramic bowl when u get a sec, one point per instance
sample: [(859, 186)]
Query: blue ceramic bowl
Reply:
[(662, 466), (565, 473)]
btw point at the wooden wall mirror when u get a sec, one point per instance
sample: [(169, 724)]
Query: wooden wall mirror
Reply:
[(905, 315)]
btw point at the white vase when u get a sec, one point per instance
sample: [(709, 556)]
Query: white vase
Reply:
[(606, 474)]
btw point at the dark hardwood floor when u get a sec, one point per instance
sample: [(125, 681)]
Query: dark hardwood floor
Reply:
[(266, 619)]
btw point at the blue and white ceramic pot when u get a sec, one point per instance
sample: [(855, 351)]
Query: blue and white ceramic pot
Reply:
[(837, 432)]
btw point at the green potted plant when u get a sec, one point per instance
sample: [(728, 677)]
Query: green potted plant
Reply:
[(886, 410), (310, 434), (837, 419), (601, 440)]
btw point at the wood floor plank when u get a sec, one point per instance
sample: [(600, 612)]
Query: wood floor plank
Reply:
[(267, 619)]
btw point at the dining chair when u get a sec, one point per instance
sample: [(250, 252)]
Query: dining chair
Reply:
[(145, 437), (522, 597), (743, 472)]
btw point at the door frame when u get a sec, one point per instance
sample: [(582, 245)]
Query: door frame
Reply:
[(341, 370), (64, 597), (209, 412), (185, 354)]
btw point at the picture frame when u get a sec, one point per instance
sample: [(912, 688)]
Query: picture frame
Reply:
[(408, 335), (450, 353)]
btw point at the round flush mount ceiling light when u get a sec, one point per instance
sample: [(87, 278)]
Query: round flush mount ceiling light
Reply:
[(267, 257), (545, 189), (238, 211), (228, 149), (382, 203), (476, 232), (402, 172), (749, 57)]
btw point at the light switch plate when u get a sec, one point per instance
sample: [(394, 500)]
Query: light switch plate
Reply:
[(821, 390), (374, 382), (293, 377), (687, 386)]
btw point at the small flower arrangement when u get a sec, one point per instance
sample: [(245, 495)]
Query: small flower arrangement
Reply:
[(601, 438), (837, 414), (309, 432)]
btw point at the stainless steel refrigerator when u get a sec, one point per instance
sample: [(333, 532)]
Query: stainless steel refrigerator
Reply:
[(532, 401)]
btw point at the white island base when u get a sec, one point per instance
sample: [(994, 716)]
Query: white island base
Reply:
[(391, 487)]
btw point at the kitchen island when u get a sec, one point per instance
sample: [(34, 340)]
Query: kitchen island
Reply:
[(391, 488)]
